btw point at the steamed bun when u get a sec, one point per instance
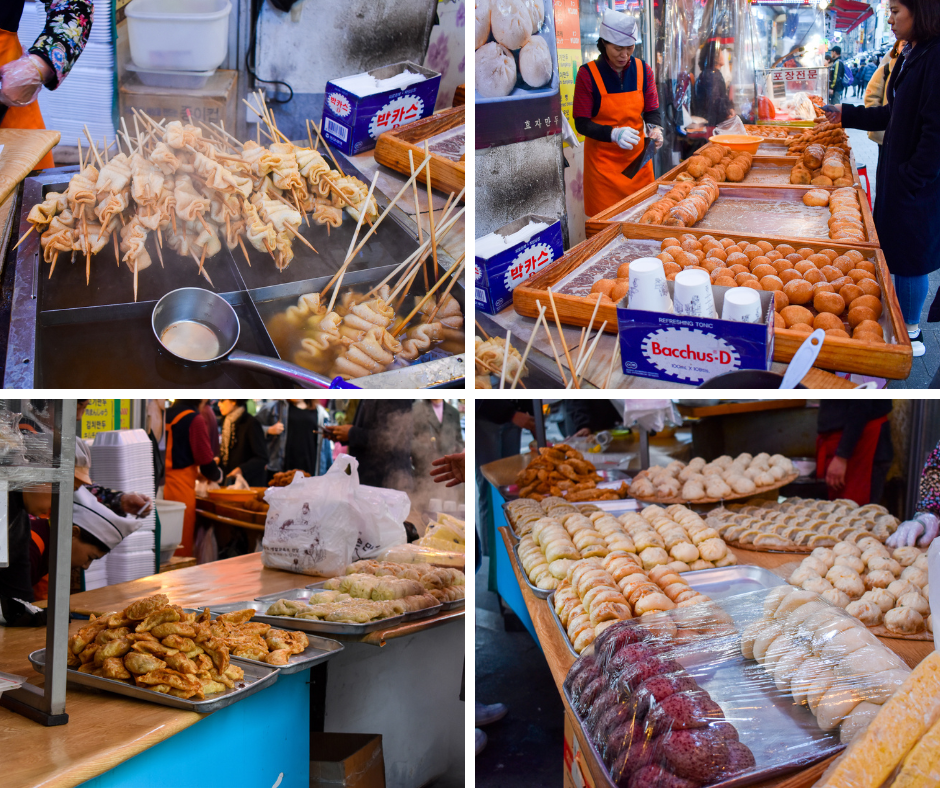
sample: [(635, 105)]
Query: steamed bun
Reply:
[(535, 63), (495, 70), (511, 23), (537, 12), (481, 14)]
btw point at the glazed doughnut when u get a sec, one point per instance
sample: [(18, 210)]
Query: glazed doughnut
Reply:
[(859, 313), (850, 292), (827, 322), (798, 291), (816, 196), (871, 302), (794, 315), (869, 326), (829, 302)]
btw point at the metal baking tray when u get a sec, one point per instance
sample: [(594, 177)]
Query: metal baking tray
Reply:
[(541, 593), (319, 650), (453, 605), (782, 735), (415, 614), (445, 606), (327, 627), (54, 322), (257, 677), (561, 627)]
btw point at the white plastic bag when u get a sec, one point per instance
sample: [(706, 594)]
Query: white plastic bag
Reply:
[(319, 524)]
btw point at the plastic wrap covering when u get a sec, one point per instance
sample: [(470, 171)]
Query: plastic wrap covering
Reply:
[(416, 554), (730, 692), (900, 748), (26, 436)]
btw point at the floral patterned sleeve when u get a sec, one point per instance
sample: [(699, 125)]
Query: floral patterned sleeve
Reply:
[(68, 23), (930, 484)]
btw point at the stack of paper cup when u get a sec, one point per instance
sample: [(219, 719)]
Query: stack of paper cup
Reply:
[(648, 288), (693, 294), (741, 304)]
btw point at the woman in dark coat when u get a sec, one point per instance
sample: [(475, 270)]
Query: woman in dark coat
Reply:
[(712, 100), (242, 447), (907, 210)]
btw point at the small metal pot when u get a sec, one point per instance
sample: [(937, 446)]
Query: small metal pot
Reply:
[(207, 310), (746, 379)]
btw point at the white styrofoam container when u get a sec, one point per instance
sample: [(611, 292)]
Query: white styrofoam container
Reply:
[(178, 35)]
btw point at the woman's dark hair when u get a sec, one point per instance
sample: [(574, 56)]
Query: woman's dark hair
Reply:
[(708, 56), (91, 539), (187, 404), (602, 46), (926, 15)]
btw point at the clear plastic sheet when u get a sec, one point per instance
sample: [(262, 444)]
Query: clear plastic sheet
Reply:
[(604, 264), (730, 692), (449, 144), (415, 554)]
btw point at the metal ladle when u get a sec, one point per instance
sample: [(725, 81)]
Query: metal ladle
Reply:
[(197, 326)]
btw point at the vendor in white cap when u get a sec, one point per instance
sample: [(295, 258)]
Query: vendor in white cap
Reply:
[(101, 519), (614, 98)]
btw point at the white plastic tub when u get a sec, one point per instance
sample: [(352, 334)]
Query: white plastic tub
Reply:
[(171, 523), (178, 35), (159, 78)]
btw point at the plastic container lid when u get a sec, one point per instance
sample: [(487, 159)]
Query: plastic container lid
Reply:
[(178, 10), (168, 78)]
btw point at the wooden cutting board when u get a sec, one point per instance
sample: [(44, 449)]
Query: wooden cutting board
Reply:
[(23, 149)]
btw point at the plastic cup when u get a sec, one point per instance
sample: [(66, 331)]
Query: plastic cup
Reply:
[(692, 295), (742, 304), (648, 288)]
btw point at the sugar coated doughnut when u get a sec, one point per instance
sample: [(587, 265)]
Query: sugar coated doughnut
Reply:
[(796, 314), (827, 321), (837, 332), (798, 291), (780, 300), (816, 197), (829, 302), (859, 313), (871, 302)]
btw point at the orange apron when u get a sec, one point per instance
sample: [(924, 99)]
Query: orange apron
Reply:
[(180, 486), (41, 586), (858, 473), (604, 162), (28, 117)]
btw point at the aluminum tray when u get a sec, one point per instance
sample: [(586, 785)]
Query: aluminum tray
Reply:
[(257, 677), (782, 727), (541, 593), (327, 627), (415, 614), (319, 650), (445, 606), (561, 627)]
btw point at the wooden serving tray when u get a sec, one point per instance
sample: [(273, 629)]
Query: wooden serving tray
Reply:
[(781, 165), (737, 497), (843, 355), (393, 146), (459, 96), (784, 193)]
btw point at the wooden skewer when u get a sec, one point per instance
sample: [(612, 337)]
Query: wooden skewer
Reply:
[(117, 253), (203, 222), (135, 280), (87, 247), (81, 159), (528, 346), (414, 185), (427, 179), (338, 192), (268, 247), (402, 294), (93, 147), (480, 329), (31, 228), (495, 371), (159, 251), (241, 243), (457, 266), (613, 358), (442, 299), (54, 261), (328, 148), (590, 354), (590, 325), (310, 136), (300, 238), (564, 346), (506, 347), (338, 278), (140, 147), (551, 342)]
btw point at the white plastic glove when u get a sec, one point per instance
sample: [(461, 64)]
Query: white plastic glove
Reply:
[(907, 533), (931, 528), (625, 136), (22, 79), (656, 134)]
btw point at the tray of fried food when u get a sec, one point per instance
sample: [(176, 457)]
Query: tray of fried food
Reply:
[(162, 653), (562, 472), (446, 584)]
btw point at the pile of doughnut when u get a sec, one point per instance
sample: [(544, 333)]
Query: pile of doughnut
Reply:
[(684, 205), (768, 132), (596, 593), (821, 166), (868, 581), (722, 478), (825, 134), (720, 163), (811, 289)]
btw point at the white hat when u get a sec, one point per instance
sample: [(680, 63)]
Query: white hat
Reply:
[(99, 520), (619, 29), (82, 461)]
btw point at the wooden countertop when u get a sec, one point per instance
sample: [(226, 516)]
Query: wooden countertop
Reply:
[(105, 730), (729, 408), (559, 658)]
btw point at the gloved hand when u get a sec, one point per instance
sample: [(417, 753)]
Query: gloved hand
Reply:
[(656, 134), (625, 136), (921, 530), (22, 79)]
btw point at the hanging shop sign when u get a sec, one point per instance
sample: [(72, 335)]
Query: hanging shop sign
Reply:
[(104, 415)]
